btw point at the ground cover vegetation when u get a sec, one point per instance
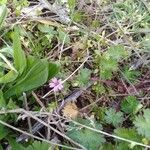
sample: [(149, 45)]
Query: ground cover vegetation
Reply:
[(74, 74)]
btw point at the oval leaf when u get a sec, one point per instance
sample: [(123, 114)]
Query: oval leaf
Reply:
[(18, 53), (36, 76)]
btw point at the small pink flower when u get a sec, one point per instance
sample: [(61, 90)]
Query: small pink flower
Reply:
[(56, 84)]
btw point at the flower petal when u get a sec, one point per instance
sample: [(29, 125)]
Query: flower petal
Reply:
[(51, 85), (54, 80)]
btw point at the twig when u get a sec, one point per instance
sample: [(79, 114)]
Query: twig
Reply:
[(38, 100), (27, 108), (72, 97), (38, 138), (108, 134), (111, 135), (56, 131)]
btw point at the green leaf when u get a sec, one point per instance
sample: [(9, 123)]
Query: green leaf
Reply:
[(46, 29), (126, 146), (131, 75), (77, 16), (1, 148), (71, 4), (89, 139), (113, 117), (9, 77), (37, 145), (84, 76), (53, 70), (142, 123), (2, 100), (128, 133), (7, 51), (63, 37), (108, 146), (129, 104), (117, 52), (18, 53), (3, 131), (14, 145), (3, 14), (107, 66), (35, 76), (11, 105)]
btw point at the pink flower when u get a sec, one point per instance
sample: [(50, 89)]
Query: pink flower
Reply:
[(56, 84)]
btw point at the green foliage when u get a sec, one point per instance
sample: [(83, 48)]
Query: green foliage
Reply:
[(130, 134), (131, 11), (112, 37), (107, 66), (36, 74), (63, 37), (108, 61), (2, 100), (117, 52), (18, 54), (126, 146), (92, 141), (77, 16), (29, 72), (3, 132), (113, 117), (71, 4), (142, 123), (3, 14), (9, 77), (131, 75), (37, 145), (146, 43), (99, 112), (130, 105), (14, 145), (99, 88), (108, 146), (84, 76), (3, 2)]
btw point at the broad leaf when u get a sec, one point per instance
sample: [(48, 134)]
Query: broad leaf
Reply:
[(18, 53), (9, 77), (36, 75), (53, 69), (38, 71)]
